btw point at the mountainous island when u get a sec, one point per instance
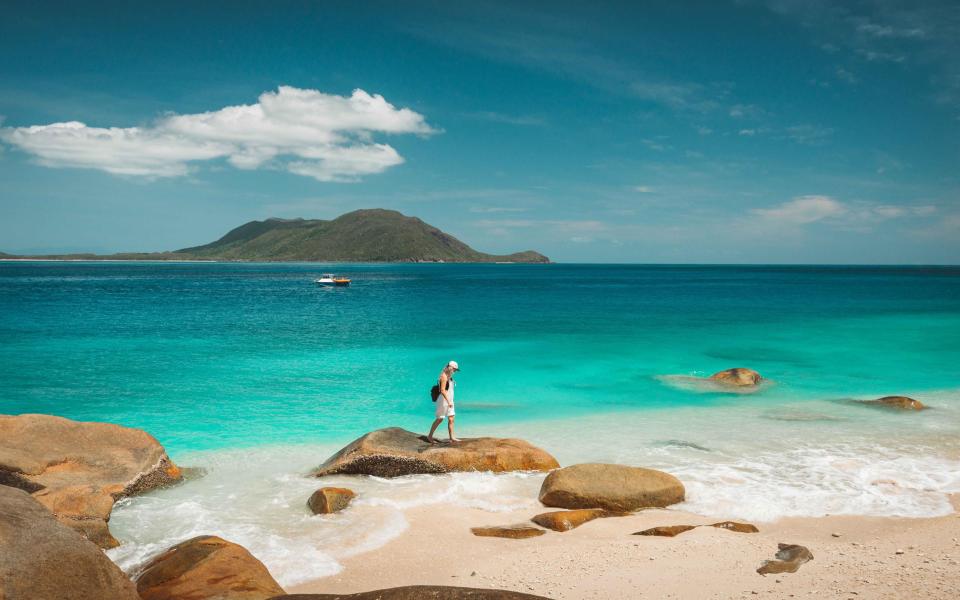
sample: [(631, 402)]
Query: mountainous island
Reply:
[(370, 235)]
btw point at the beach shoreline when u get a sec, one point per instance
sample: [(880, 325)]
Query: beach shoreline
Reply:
[(854, 557)]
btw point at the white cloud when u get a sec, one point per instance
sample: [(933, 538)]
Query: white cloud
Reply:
[(569, 226), (643, 189), (307, 132), (886, 31), (746, 111), (496, 117), (802, 210), (677, 96), (809, 134), (496, 209)]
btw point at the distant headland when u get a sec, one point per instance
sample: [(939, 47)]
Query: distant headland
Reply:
[(369, 235)]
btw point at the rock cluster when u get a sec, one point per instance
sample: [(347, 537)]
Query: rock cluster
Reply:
[(393, 452), (78, 470), (675, 530)]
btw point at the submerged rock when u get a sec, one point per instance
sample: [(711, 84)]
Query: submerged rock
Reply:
[(896, 402), (206, 567), (514, 532), (613, 487), (328, 500), (42, 558), (789, 557), (78, 470), (421, 592), (739, 377), (393, 452), (565, 520)]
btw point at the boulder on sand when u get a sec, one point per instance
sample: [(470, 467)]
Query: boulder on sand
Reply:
[(613, 487), (328, 500), (513, 532), (666, 530), (78, 470), (565, 520), (675, 530), (41, 558), (738, 377), (393, 452), (896, 402), (420, 592), (789, 557), (206, 567)]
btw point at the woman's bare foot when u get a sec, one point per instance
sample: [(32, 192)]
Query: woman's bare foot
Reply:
[(454, 440), (430, 440)]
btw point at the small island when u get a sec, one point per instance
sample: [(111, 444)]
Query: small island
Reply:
[(367, 235)]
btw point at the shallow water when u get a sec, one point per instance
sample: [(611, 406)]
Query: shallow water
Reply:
[(254, 373)]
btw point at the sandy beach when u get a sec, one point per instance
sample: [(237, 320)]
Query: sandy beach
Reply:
[(854, 557)]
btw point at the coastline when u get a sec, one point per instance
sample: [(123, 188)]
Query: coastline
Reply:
[(601, 559)]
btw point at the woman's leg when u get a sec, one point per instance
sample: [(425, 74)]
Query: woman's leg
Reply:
[(436, 423), (453, 438)]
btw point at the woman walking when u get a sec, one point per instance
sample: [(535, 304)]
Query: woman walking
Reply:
[(446, 385)]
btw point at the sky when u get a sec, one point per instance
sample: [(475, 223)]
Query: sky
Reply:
[(774, 131)]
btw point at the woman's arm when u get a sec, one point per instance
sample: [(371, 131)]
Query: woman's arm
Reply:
[(444, 378)]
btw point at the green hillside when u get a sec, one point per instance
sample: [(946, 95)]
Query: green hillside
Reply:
[(374, 235)]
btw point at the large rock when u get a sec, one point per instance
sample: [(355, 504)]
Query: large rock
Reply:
[(42, 559), (613, 487), (78, 470), (897, 403), (738, 377), (393, 452), (420, 592), (328, 500), (206, 568)]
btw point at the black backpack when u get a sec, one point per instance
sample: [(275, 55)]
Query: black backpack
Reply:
[(435, 390)]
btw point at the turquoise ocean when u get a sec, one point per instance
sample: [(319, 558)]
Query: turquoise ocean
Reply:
[(254, 374)]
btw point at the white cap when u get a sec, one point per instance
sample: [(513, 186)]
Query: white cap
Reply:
[(453, 364)]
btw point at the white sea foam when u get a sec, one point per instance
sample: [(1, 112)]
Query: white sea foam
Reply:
[(817, 482), (257, 498)]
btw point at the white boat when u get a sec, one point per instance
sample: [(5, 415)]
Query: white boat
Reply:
[(331, 279)]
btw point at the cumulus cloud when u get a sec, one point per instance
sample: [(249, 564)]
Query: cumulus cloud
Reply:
[(804, 210), (307, 132)]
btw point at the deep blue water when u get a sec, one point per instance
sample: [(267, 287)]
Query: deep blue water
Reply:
[(209, 355)]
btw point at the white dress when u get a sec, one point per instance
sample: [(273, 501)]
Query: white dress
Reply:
[(442, 409)]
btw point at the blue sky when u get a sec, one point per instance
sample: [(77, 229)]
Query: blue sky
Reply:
[(739, 132)]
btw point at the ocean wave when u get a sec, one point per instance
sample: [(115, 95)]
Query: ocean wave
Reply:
[(816, 482)]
